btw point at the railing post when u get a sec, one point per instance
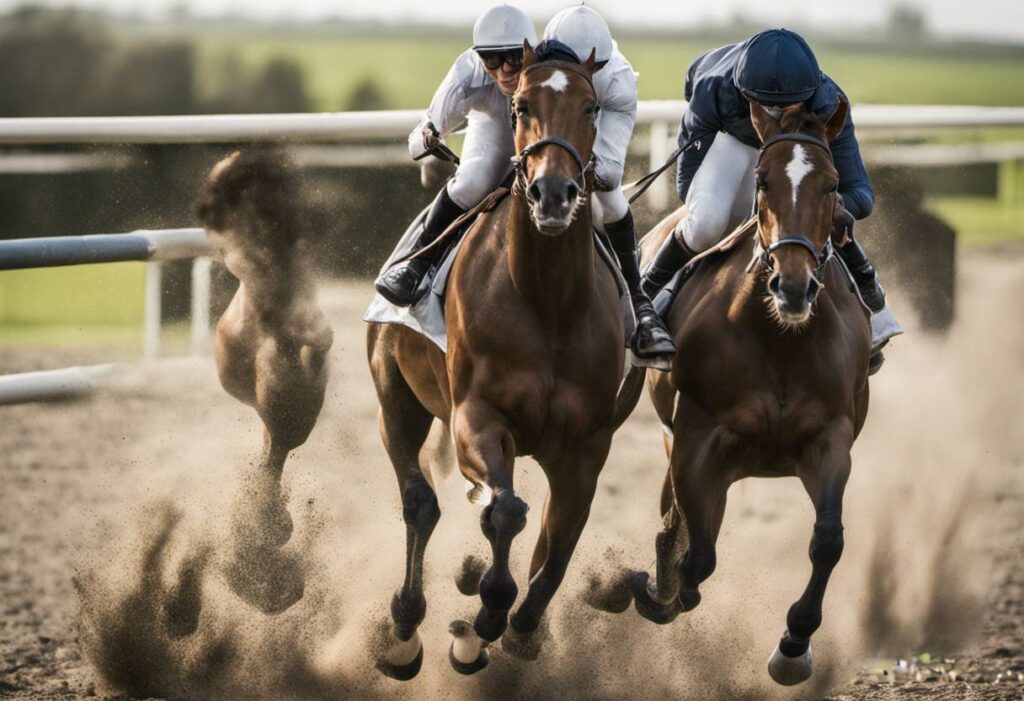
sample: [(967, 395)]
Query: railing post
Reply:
[(659, 193), (200, 305), (151, 319)]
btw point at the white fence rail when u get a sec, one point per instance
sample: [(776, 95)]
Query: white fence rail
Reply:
[(154, 246)]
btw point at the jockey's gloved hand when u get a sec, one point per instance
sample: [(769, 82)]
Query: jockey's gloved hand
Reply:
[(842, 223), (431, 137)]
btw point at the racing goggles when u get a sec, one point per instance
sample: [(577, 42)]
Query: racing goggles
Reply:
[(494, 60)]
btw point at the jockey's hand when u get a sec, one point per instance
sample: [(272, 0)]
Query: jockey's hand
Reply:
[(431, 138), (842, 223)]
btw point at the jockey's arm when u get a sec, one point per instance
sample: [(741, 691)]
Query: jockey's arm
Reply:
[(697, 135), (854, 186), (615, 122), (448, 109)]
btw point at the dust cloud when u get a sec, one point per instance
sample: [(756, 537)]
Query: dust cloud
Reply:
[(943, 439)]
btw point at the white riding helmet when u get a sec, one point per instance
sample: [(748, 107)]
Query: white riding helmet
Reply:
[(501, 28), (583, 30)]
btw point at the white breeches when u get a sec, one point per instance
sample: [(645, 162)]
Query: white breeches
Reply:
[(609, 206), (486, 159), (721, 195)]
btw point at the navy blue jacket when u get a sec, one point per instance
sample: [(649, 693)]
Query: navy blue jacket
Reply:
[(716, 106)]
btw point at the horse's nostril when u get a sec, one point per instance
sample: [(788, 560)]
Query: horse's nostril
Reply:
[(573, 192), (533, 193), (775, 284)]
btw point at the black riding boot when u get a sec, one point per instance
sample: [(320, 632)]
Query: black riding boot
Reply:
[(652, 343), (400, 284), (672, 256), (856, 259)]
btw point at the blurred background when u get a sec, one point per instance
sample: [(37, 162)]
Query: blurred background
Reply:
[(134, 57)]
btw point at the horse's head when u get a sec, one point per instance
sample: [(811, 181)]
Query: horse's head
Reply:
[(796, 193), (555, 117), (251, 208)]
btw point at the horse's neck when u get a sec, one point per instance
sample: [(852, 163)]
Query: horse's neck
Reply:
[(553, 274)]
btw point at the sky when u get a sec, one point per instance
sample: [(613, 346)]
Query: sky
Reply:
[(991, 19)]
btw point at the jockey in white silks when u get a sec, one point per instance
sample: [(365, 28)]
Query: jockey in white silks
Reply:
[(476, 94)]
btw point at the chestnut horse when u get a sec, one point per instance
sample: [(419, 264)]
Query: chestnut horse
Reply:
[(770, 381), (534, 363), (271, 353)]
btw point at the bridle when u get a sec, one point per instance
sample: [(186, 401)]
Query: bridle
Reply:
[(519, 160), (821, 257)]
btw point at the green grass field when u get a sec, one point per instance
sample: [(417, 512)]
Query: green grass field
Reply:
[(408, 70), (74, 306)]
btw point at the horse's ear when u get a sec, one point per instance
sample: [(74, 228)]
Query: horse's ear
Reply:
[(835, 124), (529, 55), (765, 125), (590, 65)]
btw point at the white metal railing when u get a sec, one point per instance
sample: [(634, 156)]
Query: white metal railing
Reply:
[(661, 115)]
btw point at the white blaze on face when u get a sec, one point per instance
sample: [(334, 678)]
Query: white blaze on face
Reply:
[(797, 169), (558, 82)]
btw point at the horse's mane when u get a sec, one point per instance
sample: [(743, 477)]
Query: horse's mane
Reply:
[(258, 196)]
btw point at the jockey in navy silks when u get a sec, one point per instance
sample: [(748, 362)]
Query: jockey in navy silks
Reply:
[(476, 93), (715, 170)]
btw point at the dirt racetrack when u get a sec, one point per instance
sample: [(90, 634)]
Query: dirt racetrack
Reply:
[(103, 500)]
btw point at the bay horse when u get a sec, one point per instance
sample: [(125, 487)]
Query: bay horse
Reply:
[(771, 380), (534, 363), (271, 350)]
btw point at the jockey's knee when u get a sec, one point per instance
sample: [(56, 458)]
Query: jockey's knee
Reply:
[(467, 192), (613, 205), (703, 227)]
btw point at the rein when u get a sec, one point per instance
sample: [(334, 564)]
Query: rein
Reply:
[(821, 257), (519, 160)]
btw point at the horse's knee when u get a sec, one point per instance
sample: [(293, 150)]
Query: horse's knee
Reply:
[(508, 514), (420, 509), (827, 542)]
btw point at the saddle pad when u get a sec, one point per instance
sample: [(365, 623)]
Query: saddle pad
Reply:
[(426, 317)]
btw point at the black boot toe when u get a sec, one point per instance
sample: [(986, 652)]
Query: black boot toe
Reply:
[(400, 284)]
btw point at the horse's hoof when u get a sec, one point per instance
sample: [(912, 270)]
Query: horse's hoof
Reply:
[(611, 595), (465, 644), (647, 606), (789, 671), (473, 667), (467, 580), (266, 578), (396, 663), (689, 598), (525, 646)]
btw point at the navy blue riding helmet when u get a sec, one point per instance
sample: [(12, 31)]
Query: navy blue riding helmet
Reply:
[(777, 67)]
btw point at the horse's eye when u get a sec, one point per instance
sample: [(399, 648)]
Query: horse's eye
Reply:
[(834, 187)]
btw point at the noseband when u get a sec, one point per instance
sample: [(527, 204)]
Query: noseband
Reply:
[(821, 257), (519, 160)]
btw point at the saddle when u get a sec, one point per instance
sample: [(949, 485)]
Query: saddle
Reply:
[(426, 317)]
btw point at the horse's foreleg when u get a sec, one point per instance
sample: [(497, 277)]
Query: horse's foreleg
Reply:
[(700, 483), (259, 571), (404, 425), (486, 453), (572, 486), (824, 472)]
